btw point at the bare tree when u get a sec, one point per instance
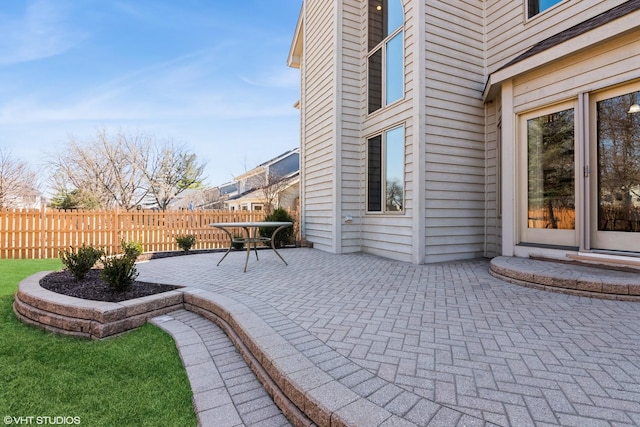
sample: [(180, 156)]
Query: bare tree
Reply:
[(272, 185), (124, 170), (107, 168), (169, 171), (18, 181)]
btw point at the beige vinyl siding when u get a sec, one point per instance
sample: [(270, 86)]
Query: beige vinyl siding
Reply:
[(613, 62), (455, 126), (509, 33), (493, 231), (390, 235), (353, 30), (318, 110)]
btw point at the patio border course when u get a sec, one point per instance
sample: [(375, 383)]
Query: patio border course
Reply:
[(581, 279), (305, 394), (85, 318)]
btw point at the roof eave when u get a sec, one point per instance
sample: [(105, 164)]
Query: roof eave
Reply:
[(599, 35), (294, 59)]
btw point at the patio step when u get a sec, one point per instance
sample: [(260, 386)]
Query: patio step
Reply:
[(569, 277), (310, 382), (225, 391)]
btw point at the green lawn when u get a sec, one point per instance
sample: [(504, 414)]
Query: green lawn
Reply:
[(136, 379)]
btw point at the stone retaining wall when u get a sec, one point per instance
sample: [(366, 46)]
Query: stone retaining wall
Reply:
[(84, 318)]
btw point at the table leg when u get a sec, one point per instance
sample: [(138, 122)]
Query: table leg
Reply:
[(273, 242), (230, 244), (248, 234), (255, 242)]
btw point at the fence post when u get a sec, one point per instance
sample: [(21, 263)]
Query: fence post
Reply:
[(43, 231), (116, 228)]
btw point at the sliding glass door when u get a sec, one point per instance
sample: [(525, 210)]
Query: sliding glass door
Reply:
[(615, 183)]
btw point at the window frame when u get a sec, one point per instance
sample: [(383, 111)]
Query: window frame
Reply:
[(533, 235), (383, 170), (382, 48), (528, 4)]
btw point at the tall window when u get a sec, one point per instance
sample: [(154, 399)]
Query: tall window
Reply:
[(385, 171), (386, 53), (535, 7)]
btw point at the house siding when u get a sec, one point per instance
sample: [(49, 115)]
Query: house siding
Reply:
[(608, 64), (509, 32), (463, 95), (493, 213), (353, 109), (455, 131), (318, 124), (391, 235)]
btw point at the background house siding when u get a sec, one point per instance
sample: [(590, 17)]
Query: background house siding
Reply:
[(455, 130), (318, 124)]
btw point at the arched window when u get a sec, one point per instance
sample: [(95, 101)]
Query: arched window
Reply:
[(386, 53)]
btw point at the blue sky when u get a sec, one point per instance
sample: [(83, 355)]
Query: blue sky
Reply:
[(210, 74)]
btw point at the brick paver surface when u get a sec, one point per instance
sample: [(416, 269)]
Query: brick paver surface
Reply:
[(226, 391), (447, 333)]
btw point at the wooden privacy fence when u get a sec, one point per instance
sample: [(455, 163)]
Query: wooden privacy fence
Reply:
[(42, 233)]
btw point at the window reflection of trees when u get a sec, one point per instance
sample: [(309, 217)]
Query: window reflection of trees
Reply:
[(395, 195), (551, 166), (618, 133)]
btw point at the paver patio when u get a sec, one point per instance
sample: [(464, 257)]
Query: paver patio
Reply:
[(417, 338)]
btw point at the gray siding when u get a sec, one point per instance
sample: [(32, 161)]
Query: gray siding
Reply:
[(455, 130), (610, 63), (391, 235), (353, 109), (318, 124), (493, 226), (509, 33)]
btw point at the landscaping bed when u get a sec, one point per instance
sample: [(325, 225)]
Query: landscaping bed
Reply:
[(92, 287), (90, 318)]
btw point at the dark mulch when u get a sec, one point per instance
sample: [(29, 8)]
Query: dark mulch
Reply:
[(94, 288)]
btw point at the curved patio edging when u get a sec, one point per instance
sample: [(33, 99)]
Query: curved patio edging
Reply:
[(581, 280), (85, 318), (315, 393), (306, 394)]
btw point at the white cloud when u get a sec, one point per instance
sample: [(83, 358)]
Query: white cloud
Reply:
[(280, 77), (183, 87), (40, 33)]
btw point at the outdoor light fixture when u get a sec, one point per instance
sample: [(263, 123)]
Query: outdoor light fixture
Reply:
[(378, 7), (635, 108)]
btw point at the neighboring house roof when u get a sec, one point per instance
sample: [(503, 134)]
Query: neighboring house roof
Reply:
[(228, 188), (576, 30), (279, 163), (291, 179), (257, 193)]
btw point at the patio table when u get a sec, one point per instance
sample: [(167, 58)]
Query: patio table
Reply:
[(251, 236)]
